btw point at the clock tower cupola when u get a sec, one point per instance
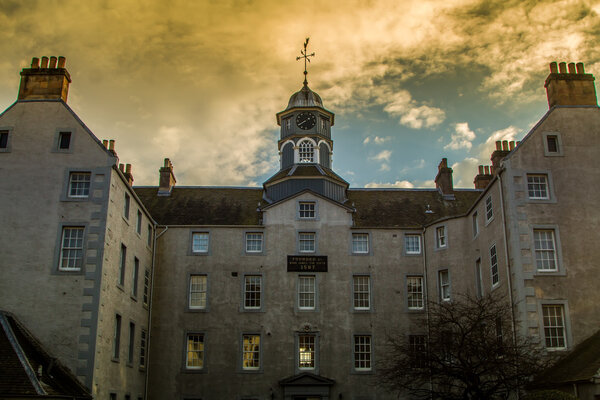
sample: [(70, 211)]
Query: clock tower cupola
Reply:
[(305, 146)]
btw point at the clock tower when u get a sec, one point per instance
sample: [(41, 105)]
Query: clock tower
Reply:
[(305, 147)]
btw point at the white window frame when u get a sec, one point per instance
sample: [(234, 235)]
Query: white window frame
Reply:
[(253, 292), (415, 295), (494, 270), (360, 243), (489, 209), (307, 351), (307, 292), (198, 342), (444, 285), (200, 242), (306, 151), (251, 352), (307, 242), (143, 348), (307, 209), (254, 242), (538, 183), (80, 183), (198, 292), (554, 330), (441, 239), (146, 294), (361, 292), (70, 251), (363, 353), (408, 237), (541, 253)]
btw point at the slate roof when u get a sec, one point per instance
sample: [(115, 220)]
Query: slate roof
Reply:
[(306, 170), (375, 208), (22, 358), (581, 364)]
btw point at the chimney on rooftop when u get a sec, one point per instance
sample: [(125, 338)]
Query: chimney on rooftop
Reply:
[(166, 178), (128, 174), (46, 81), (484, 177), (443, 179), (570, 88)]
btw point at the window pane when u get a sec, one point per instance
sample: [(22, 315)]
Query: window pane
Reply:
[(305, 152), (254, 242), (414, 290), (361, 292), (200, 242), (444, 278), (64, 140), (251, 352), (3, 139), (252, 291), (441, 236), (79, 184), (412, 244), (545, 254), (71, 253), (198, 284), (552, 144), (494, 265), (537, 186), (554, 326), (307, 209), (360, 243), (306, 352), (489, 210), (306, 292), (306, 242), (195, 351), (417, 346), (362, 352)]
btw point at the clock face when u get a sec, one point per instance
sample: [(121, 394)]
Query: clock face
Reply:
[(306, 120)]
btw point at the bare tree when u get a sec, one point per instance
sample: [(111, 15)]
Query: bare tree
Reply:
[(467, 350)]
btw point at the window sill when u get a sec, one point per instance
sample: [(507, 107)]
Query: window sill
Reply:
[(115, 360), (134, 298), (185, 370), (120, 287)]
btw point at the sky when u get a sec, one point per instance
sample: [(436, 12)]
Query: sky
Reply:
[(200, 82)]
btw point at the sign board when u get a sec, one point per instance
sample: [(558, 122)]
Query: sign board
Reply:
[(307, 263)]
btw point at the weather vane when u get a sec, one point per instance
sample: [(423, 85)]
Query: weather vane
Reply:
[(306, 59)]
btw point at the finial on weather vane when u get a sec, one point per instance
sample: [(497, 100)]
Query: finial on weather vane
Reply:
[(306, 59)]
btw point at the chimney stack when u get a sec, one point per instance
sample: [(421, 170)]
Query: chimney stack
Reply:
[(166, 179), (502, 149), (45, 81), (569, 85), (128, 174), (484, 177), (443, 180)]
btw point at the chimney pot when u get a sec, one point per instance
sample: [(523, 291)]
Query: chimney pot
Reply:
[(481, 169), (35, 63), (571, 68), (562, 67), (128, 168), (122, 167), (511, 145), (167, 163), (44, 62), (61, 62), (52, 62), (498, 145), (111, 144), (553, 67), (505, 145), (105, 143), (580, 69), (487, 169)]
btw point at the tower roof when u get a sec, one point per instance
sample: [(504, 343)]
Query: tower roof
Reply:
[(305, 97)]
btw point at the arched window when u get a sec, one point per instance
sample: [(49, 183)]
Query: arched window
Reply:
[(306, 152)]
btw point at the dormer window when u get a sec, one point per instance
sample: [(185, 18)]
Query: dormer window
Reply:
[(306, 152)]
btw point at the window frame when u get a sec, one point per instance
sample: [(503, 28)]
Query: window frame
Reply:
[(568, 339), (251, 370), (197, 252), (439, 238), (368, 243), (135, 273), (261, 298), (116, 339), (489, 209), (494, 265), (300, 240), (314, 293), (71, 183), (365, 370), (475, 224), (147, 287), (59, 260), (143, 354), (131, 344), (9, 138), (262, 242), (194, 369), (559, 144), (299, 210), (301, 146), (560, 265), (138, 222), (58, 134), (189, 293), (369, 293), (408, 292), (549, 187), (122, 266), (316, 353), (442, 285), (419, 241)]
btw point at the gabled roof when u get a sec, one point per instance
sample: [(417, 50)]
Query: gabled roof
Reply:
[(203, 205), (581, 364), (306, 171), (26, 369), (406, 208), (306, 379)]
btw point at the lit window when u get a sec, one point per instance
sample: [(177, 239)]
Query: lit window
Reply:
[(545, 250), (146, 286), (552, 142), (3, 139), (71, 251), (306, 152), (537, 187), (117, 337), (414, 292), (475, 224), (200, 242), (307, 209), (554, 326), (489, 209), (418, 350), (412, 244), (126, 206), (251, 352), (440, 236), (195, 351), (306, 292), (362, 352), (444, 279), (494, 266), (122, 264), (360, 243), (64, 140), (197, 295), (306, 351), (306, 241), (362, 292), (254, 242), (79, 184), (143, 343), (252, 291)]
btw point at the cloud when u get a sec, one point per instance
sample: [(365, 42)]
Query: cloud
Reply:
[(463, 172), (376, 139), (411, 113), (384, 167), (383, 155), (397, 184), (461, 138)]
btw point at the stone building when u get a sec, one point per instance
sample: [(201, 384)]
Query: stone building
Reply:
[(286, 291)]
